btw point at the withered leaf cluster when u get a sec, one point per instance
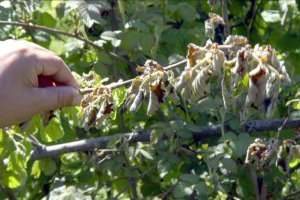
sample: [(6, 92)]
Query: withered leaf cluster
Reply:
[(264, 154), (96, 107), (236, 67), (154, 84)]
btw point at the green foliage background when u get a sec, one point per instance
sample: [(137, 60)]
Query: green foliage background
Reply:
[(178, 167)]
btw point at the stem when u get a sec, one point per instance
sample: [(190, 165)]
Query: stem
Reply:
[(225, 18), (8, 192), (56, 31), (166, 194), (133, 181), (171, 111), (120, 84)]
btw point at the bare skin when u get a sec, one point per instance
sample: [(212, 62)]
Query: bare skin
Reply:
[(21, 97)]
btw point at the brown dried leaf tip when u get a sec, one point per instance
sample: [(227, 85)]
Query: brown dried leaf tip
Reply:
[(158, 91)]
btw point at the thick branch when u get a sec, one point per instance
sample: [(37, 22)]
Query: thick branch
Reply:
[(204, 132), (52, 30)]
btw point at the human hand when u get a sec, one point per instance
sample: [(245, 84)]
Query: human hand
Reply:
[(26, 69)]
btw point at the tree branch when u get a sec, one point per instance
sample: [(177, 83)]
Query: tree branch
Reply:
[(204, 132), (55, 31)]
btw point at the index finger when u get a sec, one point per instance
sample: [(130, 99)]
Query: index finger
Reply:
[(51, 65)]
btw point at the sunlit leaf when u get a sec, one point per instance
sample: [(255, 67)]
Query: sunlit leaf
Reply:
[(15, 174), (271, 15), (53, 131), (68, 192), (182, 190), (36, 170), (146, 154)]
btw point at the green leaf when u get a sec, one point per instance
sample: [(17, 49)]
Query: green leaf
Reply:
[(3, 144), (146, 154), (44, 19), (119, 95), (271, 16), (130, 40), (246, 80), (33, 126), (68, 193), (113, 142), (16, 161), (201, 187), (228, 136), (155, 136), (244, 189), (71, 114), (36, 170), (4, 11), (285, 44), (53, 131), (241, 144), (112, 37), (147, 42), (91, 12), (14, 179), (48, 166), (100, 42), (137, 24), (163, 168), (15, 173), (229, 164), (150, 188), (190, 178), (182, 190), (186, 12), (192, 127), (102, 69), (105, 58), (207, 104), (58, 47)]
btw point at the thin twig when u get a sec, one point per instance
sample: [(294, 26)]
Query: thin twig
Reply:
[(171, 111), (284, 14), (175, 65), (8, 192), (76, 36), (35, 142), (225, 18), (284, 122), (292, 195), (132, 179), (123, 83), (252, 17), (166, 193)]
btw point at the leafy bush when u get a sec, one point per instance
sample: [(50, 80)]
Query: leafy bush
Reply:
[(206, 136)]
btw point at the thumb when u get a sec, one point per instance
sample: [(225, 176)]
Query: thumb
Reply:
[(51, 98)]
